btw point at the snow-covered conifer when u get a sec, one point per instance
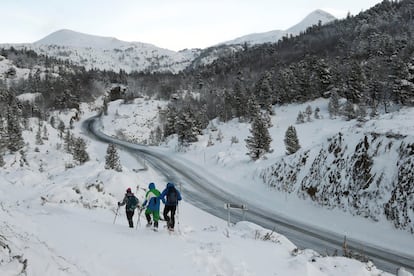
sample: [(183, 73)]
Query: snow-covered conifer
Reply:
[(291, 140), (112, 161), (79, 150), (259, 142)]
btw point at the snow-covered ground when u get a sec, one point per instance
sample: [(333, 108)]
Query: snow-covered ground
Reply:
[(57, 220), (237, 174)]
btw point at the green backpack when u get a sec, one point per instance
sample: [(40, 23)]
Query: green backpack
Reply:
[(132, 202)]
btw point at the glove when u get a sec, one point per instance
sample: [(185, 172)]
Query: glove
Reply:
[(119, 203)]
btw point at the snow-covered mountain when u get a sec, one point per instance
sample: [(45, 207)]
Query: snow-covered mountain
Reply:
[(108, 53), (80, 40), (273, 36)]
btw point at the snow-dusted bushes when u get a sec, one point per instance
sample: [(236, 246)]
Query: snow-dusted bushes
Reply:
[(371, 176)]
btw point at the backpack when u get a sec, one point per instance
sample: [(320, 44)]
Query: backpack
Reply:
[(172, 197), (132, 202)]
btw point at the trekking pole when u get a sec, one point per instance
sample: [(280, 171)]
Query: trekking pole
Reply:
[(116, 214), (178, 218), (178, 214), (139, 218)]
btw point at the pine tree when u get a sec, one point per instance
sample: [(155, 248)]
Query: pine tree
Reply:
[(253, 108), (264, 92), (240, 97), (61, 128), (112, 161), (258, 143), (186, 127), (349, 111), (210, 141), (158, 135), (39, 140), (355, 83), (79, 151), (301, 118), (169, 126), (291, 140), (333, 105), (2, 163), (45, 133), (23, 158), (316, 113), (53, 121), (220, 136), (308, 113), (14, 132), (68, 142)]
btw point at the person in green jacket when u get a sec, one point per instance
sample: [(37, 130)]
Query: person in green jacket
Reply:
[(152, 202)]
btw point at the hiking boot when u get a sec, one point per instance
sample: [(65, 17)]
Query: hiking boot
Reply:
[(149, 224)]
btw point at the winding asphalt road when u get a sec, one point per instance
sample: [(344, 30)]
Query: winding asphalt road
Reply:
[(202, 192)]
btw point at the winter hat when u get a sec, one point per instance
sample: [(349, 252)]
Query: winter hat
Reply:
[(128, 190), (170, 185), (151, 186)]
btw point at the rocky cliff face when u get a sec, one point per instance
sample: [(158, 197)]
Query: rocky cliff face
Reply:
[(366, 174)]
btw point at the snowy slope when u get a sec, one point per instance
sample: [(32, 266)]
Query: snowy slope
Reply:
[(58, 220), (9, 71), (107, 53), (229, 162), (273, 36), (80, 40)]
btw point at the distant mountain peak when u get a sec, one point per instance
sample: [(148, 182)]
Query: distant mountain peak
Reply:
[(311, 19), (273, 36), (65, 37)]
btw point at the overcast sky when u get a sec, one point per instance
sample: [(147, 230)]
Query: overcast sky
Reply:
[(172, 24)]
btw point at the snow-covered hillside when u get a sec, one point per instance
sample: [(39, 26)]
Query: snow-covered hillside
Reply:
[(9, 71), (368, 174), (258, 180), (273, 36), (107, 53), (59, 219)]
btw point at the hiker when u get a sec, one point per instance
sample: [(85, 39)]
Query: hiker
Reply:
[(131, 202), (173, 196), (152, 202)]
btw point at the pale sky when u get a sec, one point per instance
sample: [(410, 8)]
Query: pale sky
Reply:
[(171, 24)]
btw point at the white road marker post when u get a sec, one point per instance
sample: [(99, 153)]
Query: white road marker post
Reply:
[(230, 206)]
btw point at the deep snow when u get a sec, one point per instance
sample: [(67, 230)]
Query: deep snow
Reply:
[(60, 221)]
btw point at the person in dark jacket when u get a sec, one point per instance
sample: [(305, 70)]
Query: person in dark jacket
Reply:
[(170, 197), (131, 202), (152, 202)]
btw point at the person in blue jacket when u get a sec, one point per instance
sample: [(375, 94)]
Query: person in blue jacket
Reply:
[(152, 202), (172, 197)]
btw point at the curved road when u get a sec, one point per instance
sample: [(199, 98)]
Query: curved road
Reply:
[(201, 191)]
